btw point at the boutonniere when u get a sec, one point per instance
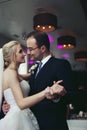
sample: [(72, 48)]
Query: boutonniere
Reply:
[(32, 68)]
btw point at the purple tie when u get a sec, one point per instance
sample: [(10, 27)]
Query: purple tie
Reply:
[(39, 68)]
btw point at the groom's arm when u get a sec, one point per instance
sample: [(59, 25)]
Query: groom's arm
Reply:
[(1, 112), (5, 107)]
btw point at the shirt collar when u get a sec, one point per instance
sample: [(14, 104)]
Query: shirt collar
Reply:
[(45, 60)]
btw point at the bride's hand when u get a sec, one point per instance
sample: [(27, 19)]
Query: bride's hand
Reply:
[(49, 93)]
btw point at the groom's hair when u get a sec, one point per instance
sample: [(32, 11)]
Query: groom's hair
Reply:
[(41, 38)]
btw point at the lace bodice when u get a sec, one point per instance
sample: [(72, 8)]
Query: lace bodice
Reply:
[(9, 95), (25, 87)]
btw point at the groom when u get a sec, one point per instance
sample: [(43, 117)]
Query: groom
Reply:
[(51, 114)]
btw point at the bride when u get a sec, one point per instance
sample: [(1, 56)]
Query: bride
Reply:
[(15, 91)]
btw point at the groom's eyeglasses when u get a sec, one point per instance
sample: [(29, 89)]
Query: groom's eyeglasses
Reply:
[(31, 49)]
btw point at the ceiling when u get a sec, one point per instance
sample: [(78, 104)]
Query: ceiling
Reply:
[(16, 20)]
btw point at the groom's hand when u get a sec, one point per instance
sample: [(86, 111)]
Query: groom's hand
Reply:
[(58, 89), (5, 107), (55, 91)]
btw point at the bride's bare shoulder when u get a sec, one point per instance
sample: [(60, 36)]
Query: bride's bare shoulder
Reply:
[(9, 73)]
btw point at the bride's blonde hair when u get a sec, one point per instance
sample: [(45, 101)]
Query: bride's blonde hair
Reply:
[(9, 51)]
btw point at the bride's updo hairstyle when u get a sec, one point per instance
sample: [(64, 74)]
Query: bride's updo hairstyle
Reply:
[(9, 51)]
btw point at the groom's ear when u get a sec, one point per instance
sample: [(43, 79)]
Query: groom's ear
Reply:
[(43, 48)]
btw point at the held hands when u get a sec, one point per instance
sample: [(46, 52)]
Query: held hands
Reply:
[(55, 91), (58, 89)]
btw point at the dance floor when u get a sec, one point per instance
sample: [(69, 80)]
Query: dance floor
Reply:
[(77, 124)]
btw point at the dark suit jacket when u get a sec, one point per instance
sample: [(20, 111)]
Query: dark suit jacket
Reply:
[(1, 112), (50, 115), (1, 115)]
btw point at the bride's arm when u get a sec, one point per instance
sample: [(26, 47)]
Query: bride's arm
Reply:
[(31, 70), (17, 92), (24, 76), (27, 102)]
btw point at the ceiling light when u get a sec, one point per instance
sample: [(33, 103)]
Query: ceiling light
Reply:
[(45, 22), (81, 55), (66, 42)]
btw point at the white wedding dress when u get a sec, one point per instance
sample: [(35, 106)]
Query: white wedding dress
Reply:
[(17, 119)]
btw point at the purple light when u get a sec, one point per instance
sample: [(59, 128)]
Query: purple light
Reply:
[(66, 55), (50, 38), (31, 62), (60, 46)]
